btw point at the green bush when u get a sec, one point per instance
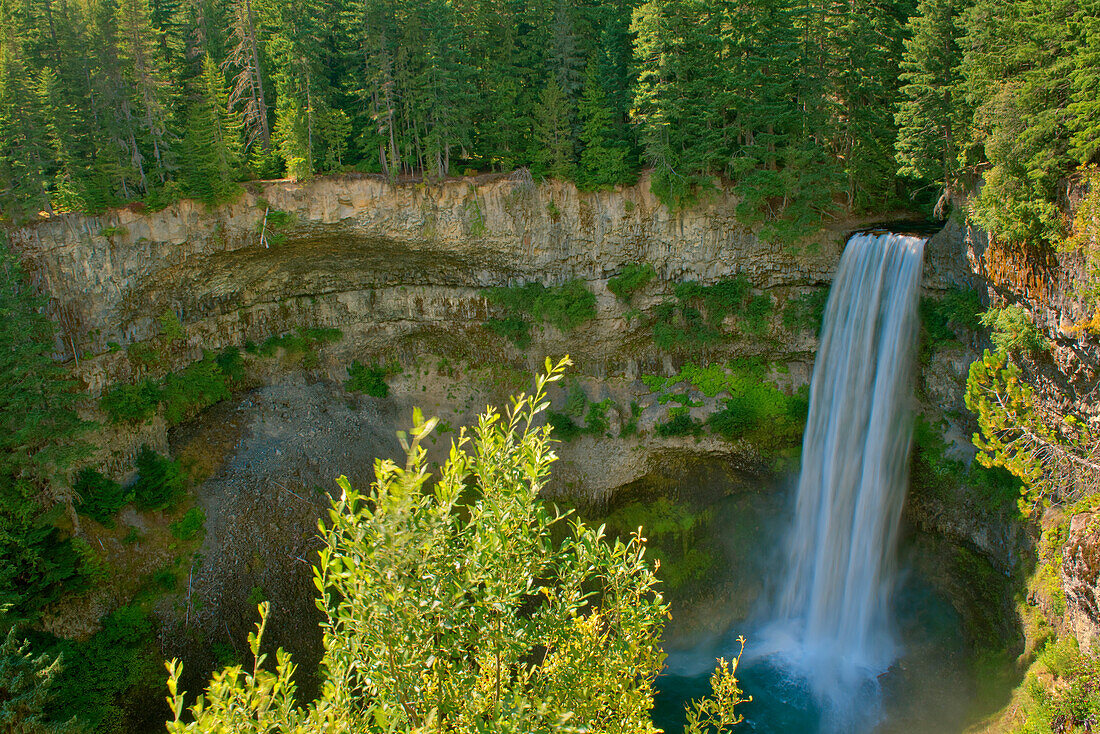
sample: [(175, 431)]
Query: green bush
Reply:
[(934, 471), (513, 328), (100, 497), (805, 311), (231, 365), (630, 280), (595, 421), (680, 423), (757, 311), (193, 389), (131, 403), (189, 526), (144, 356), (160, 482), (565, 306), (368, 379), (672, 530), (100, 674), (564, 429), (1013, 330), (694, 319)]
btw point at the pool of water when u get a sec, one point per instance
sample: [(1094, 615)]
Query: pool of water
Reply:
[(932, 688)]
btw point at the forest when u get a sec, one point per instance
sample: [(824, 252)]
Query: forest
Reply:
[(807, 108)]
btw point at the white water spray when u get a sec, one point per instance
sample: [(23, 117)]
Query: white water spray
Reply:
[(833, 618)]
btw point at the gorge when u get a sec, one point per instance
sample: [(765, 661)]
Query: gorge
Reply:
[(408, 283)]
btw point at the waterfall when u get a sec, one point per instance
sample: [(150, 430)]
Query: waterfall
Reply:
[(834, 608)]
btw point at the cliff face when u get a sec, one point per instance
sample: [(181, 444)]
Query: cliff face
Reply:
[(397, 267)]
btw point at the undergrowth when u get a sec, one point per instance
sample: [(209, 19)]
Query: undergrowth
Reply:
[(565, 307)]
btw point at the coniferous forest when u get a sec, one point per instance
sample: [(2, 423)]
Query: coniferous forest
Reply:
[(806, 107)]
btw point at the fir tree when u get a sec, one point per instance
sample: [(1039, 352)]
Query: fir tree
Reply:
[(931, 110), (553, 133), (603, 160), (38, 442)]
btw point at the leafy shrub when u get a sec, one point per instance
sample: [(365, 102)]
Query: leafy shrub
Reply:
[(160, 482), (934, 471), (565, 306), (757, 311), (576, 400), (193, 389), (805, 311), (630, 280), (99, 674), (631, 425), (275, 224), (940, 317), (231, 364), (694, 320), (170, 327), (595, 422), (680, 423), (100, 497), (672, 529), (189, 526), (564, 429), (1013, 330), (131, 403), (368, 379), (144, 356), (513, 328)]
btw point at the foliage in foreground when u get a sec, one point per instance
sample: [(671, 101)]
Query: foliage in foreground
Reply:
[(1055, 462), (460, 602)]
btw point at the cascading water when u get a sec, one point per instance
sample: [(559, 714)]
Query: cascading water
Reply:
[(833, 616)]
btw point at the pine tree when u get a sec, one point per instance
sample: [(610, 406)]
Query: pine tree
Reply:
[(25, 155), (144, 68), (248, 84), (553, 133), (603, 160), (38, 443), (212, 141), (26, 688), (1085, 108), (932, 109)]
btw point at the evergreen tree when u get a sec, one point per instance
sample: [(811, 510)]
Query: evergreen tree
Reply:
[(25, 154), (212, 141), (603, 160), (38, 442), (553, 133), (681, 95), (931, 111), (144, 69), (1085, 108), (248, 84), (26, 688)]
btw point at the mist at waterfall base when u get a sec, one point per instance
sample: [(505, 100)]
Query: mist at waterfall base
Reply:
[(830, 629)]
